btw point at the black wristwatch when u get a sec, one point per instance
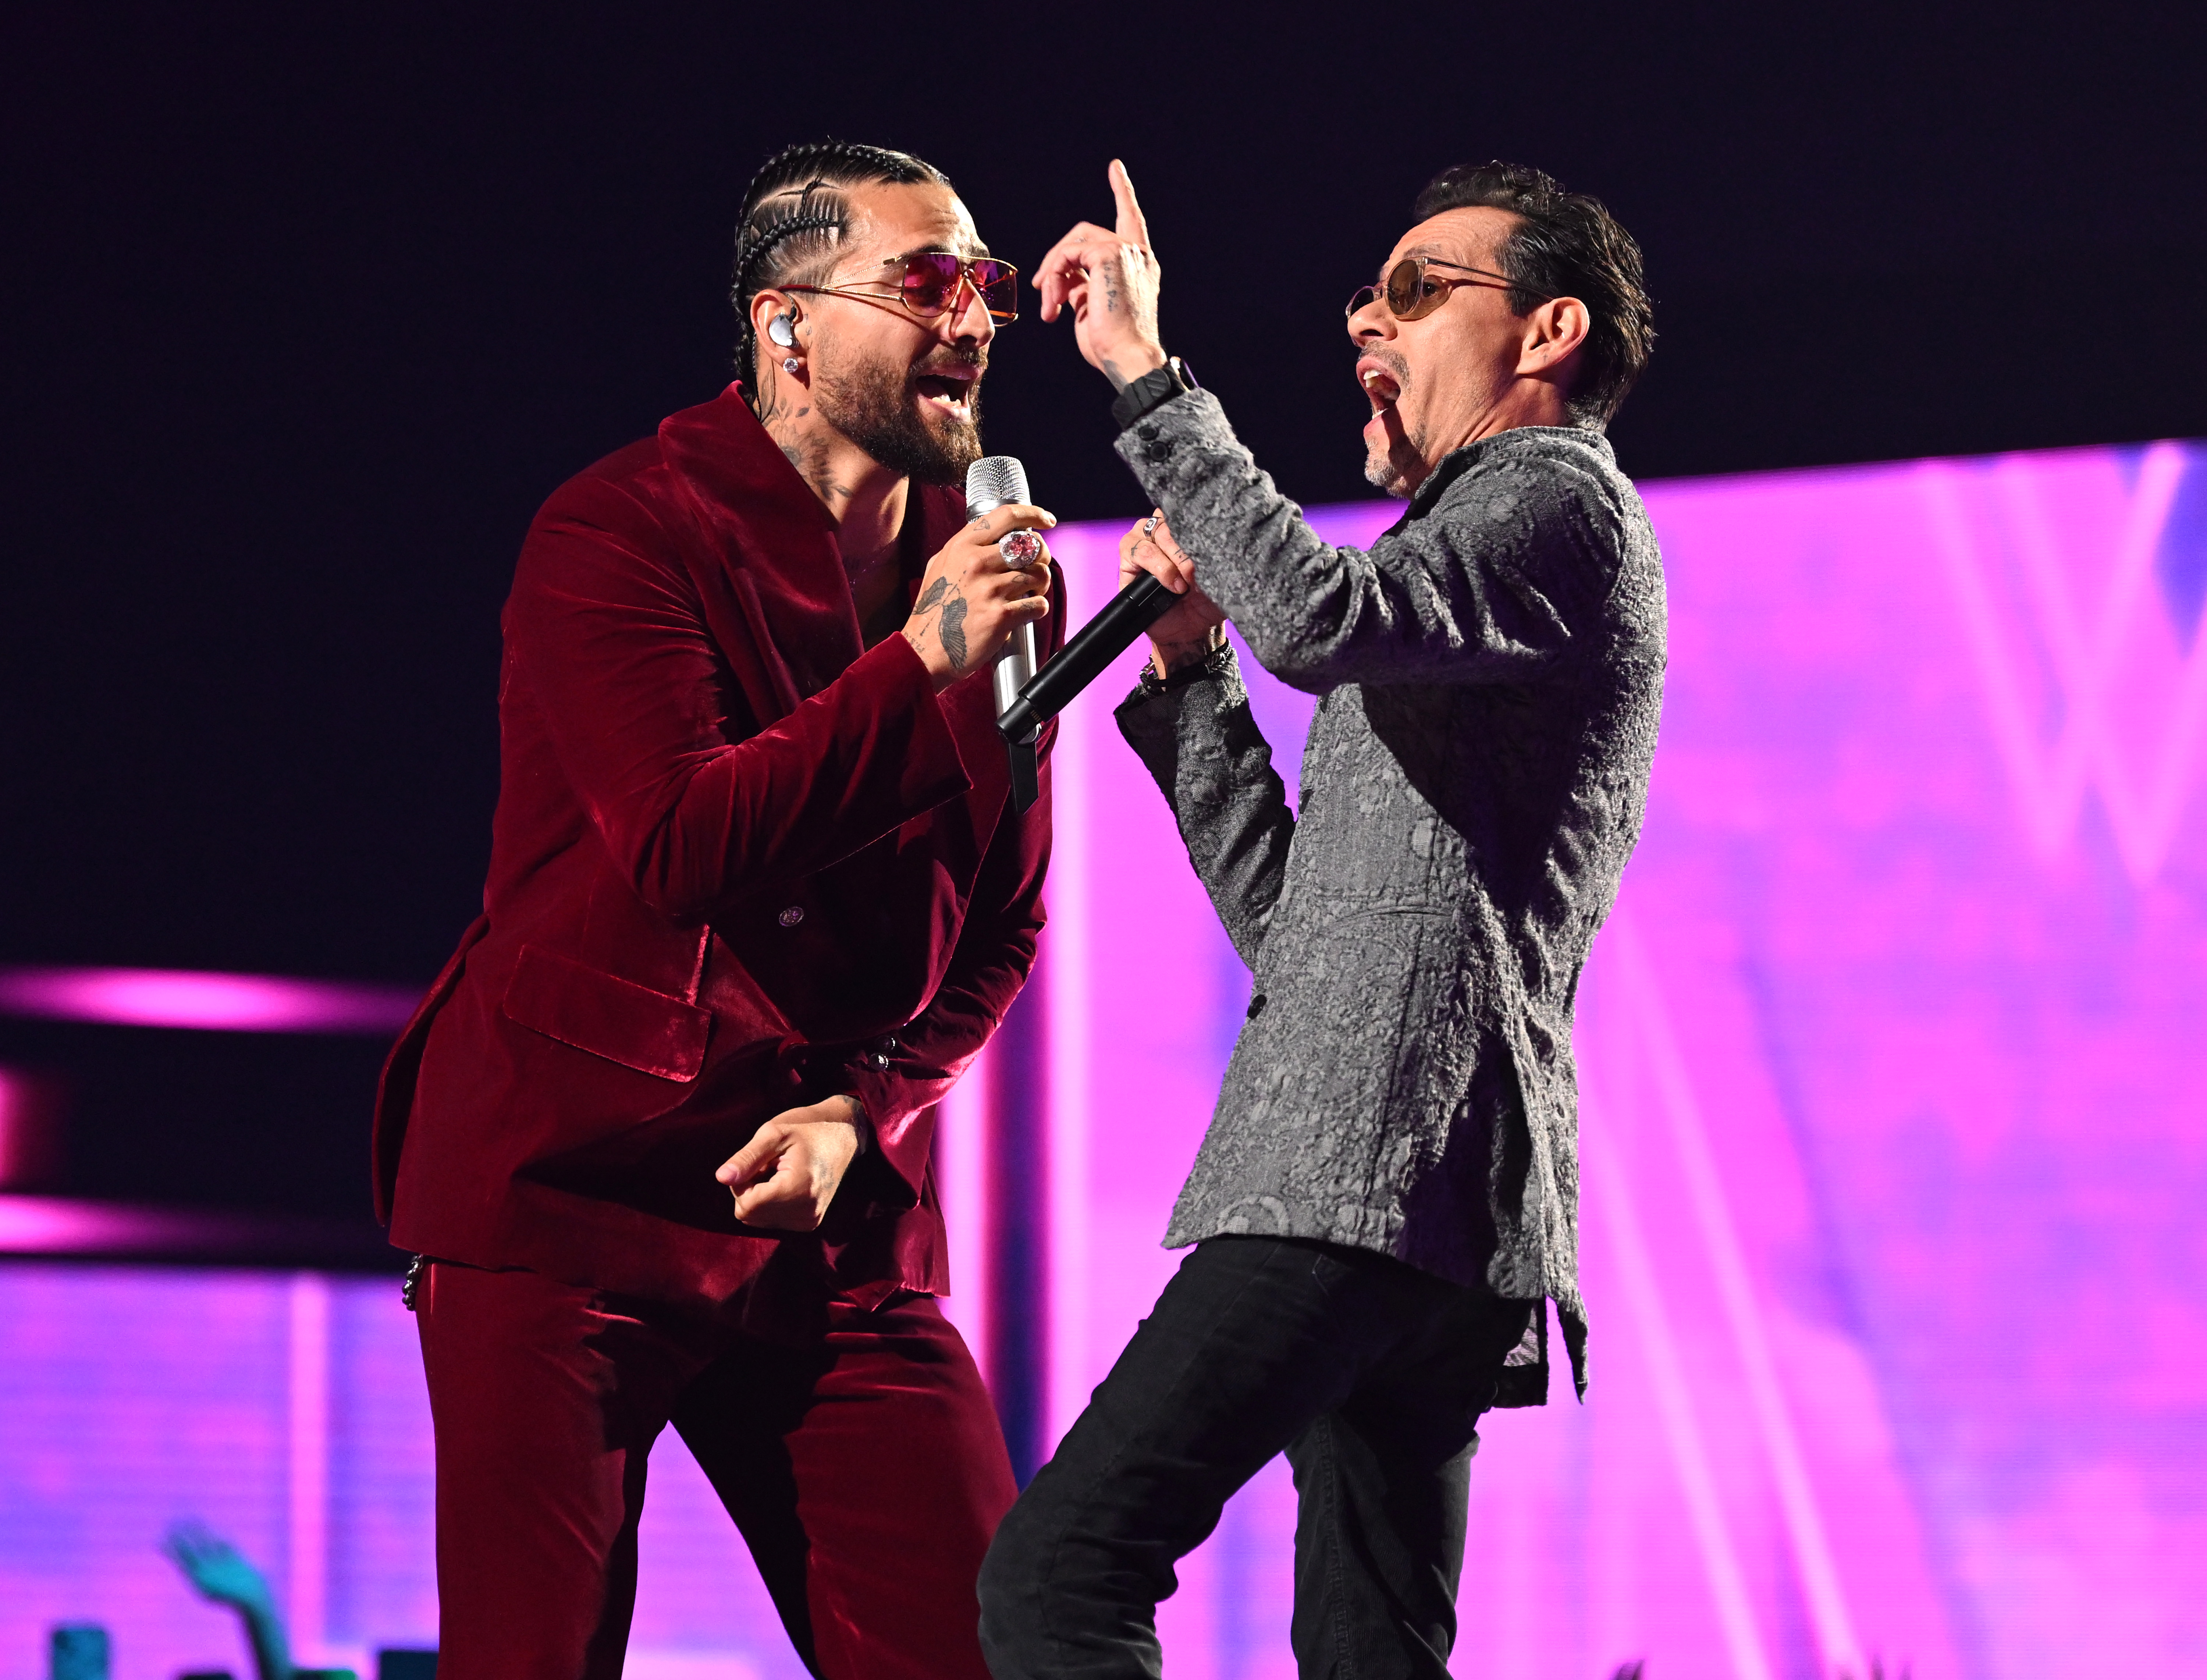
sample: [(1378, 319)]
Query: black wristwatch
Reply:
[(1153, 390)]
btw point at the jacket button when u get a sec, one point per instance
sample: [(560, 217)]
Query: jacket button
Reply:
[(791, 917), (1256, 1006), (881, 1063)]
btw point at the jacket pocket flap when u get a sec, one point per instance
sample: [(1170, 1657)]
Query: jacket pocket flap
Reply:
[(607, 1015)]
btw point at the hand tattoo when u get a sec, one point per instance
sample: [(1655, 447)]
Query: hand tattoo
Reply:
[(953, 631), (931, 597)]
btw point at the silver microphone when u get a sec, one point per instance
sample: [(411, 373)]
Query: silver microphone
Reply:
[(990, 482)]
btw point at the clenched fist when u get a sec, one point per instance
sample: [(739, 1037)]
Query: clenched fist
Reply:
[(784, 1177)]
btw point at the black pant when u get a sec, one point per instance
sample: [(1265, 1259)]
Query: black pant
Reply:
[(1368, 1373)]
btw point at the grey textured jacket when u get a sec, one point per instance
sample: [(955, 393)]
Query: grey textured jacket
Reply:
[(1490, 677)]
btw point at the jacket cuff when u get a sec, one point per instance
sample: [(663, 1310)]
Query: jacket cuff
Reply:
[(1154, 707), (1153, 390), (1212, 667), (862, 1121), (931, 771), (896, 1129), (1165, 445)]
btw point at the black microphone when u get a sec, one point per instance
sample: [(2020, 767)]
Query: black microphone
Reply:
[(1082, 661)]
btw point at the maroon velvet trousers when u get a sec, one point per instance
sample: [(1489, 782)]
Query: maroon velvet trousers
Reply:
[(863, 1466)]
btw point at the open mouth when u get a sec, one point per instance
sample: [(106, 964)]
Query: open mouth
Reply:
[(948, 392), (1381, 388)]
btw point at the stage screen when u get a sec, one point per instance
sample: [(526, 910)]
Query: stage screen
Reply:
[(1893, 1157), (1895, 1116)]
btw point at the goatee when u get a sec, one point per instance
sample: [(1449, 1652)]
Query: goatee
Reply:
[(876, 405), (1385, 477)]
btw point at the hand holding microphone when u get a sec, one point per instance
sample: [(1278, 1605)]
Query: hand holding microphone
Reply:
[(972, 601), (1107, 278), (992, 482), (1192, 627)]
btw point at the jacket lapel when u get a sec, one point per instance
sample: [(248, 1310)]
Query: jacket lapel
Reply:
[(767, 559)]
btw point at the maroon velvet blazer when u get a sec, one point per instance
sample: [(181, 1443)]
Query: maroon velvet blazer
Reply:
[(738, 862)]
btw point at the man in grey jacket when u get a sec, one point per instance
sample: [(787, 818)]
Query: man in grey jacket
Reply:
[(1387, 1196)]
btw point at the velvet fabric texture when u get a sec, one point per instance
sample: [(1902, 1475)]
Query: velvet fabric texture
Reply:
[(739, 862), (864, 1471)]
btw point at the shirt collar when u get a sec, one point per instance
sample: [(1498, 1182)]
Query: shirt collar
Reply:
[(1458, 461)]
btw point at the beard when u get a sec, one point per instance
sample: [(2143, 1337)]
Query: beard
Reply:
[(876, 404), (1382, 472)]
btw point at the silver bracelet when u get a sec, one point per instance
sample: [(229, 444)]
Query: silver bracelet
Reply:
[(1212, 664)]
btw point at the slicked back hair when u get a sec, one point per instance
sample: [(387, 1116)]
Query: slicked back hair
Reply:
[(796, 212), (1564, 245)]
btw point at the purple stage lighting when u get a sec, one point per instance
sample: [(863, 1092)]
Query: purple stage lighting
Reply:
[(1892, 1144), (1891, 1100)]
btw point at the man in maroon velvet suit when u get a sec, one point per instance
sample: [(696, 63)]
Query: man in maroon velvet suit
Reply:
[(756, 900)]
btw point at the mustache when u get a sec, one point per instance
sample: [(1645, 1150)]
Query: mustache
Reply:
[(1397, 370), (944, 361)]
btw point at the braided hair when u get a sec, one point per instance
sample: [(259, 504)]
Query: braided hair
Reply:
[(796, 212)]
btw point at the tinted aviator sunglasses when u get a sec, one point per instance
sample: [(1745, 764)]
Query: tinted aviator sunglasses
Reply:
[(932, 280), (1410, 293)]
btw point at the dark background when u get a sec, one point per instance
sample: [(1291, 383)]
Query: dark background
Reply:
[(307, 310)]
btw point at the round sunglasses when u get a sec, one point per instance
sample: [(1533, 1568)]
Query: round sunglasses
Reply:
[(932, 280), (1410, 293)]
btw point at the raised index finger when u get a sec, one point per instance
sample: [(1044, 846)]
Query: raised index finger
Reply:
[(1132, 228)]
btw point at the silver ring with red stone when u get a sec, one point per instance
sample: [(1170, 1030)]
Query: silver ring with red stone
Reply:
[(1020, 549)]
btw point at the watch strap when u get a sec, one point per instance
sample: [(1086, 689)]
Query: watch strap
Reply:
[(1153, 390)]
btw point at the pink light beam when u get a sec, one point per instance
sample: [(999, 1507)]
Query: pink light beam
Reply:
[(208, 1002)]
